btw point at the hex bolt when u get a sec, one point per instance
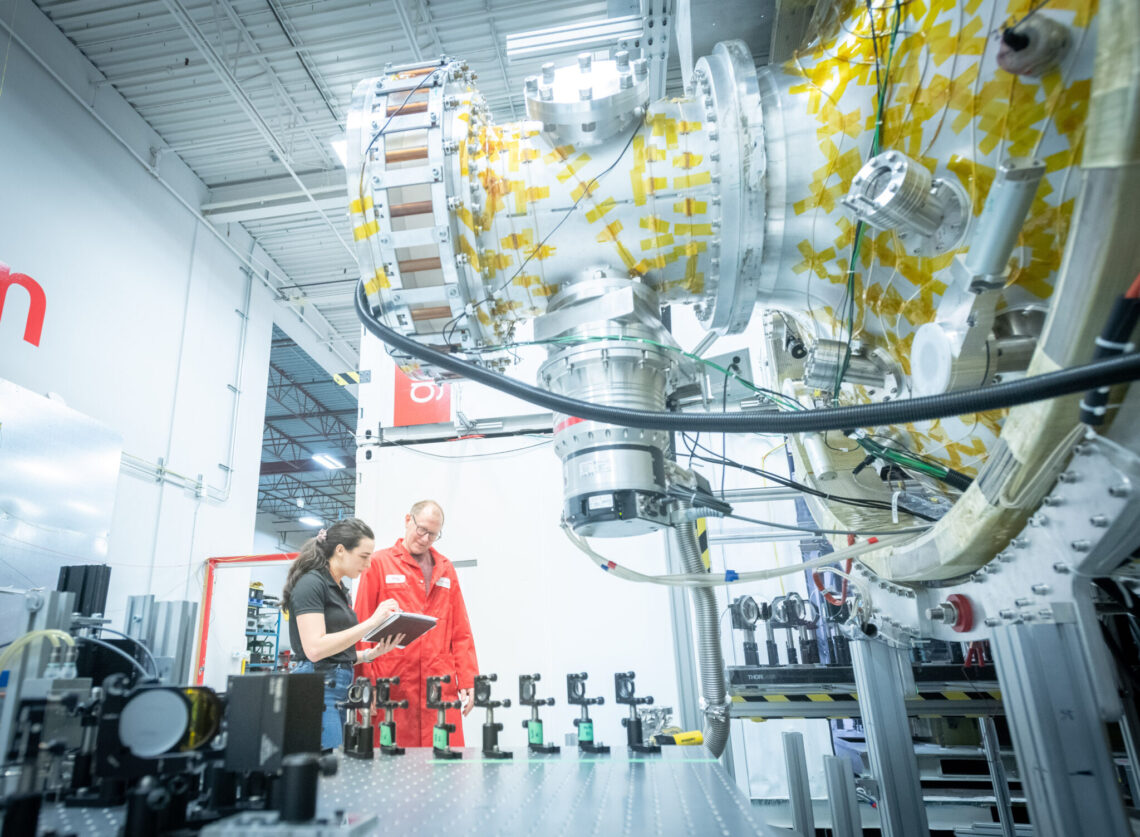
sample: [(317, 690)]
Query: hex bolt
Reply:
[(1100, 521), (1038, 520), (1023, 602), (625, 81), (1068, 476), (1080, 545), (1005, 556), (1061, 567), (1019, 543), (548, 72), (1007, 613), (585, 62), (531, 84), (546, 94), (990, 568), (1045, 613), (1041, 589), (1050, 500), (640, 69), (622, 58), (1119, 490), (992, 622), (585, 94)]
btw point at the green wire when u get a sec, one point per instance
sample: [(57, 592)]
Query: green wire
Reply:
[(876, 138)]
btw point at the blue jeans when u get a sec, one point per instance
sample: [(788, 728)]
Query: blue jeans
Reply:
[(337, 681)]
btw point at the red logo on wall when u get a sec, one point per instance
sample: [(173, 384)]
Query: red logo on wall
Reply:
[(34, 326), (420, 402)]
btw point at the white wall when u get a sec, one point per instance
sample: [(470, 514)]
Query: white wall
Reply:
[(141, 331)]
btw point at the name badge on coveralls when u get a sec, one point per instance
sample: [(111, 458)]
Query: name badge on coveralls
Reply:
[(444, 581), (394, 579)]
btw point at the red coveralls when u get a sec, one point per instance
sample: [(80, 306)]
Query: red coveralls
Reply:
[(448, 648)]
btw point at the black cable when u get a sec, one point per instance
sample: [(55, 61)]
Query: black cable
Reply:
[(910, 530), (787, 482), (1107, 372)]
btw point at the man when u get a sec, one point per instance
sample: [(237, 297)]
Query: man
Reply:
[(421, 580)]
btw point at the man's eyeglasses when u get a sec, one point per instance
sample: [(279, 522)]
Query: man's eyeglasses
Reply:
[(426, 533)]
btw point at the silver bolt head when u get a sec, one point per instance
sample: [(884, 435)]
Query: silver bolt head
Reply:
[(548, 72), (1119, 490), (1100, 521), (586, 94), (1041, 589), (585, 62), (531, 84), (640, 69), (622, 58), (1080, 545)]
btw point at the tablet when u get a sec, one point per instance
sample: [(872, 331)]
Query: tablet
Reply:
[(411, 625)]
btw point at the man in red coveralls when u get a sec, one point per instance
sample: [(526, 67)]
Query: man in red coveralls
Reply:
[(421, 580)]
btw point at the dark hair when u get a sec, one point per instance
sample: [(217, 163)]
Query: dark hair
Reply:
[(316, 552)]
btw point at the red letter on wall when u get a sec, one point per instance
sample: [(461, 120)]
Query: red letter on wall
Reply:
[(420, 402), (35, 324)]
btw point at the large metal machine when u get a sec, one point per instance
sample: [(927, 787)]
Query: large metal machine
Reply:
[(922, 219)]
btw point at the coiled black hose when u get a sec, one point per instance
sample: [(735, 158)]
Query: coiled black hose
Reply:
[(1100, 373)]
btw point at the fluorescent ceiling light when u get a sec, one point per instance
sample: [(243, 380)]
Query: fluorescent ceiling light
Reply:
[(574, 37), (328, 461), (309, 520), (340, 146), (300, 502)]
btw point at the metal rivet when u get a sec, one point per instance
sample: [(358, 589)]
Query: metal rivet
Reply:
[(1081, 545), (1099, 520), (992, 622), (1023, 602), (1119, 490), (1061, 567), (1041, 589), (1052, 501)]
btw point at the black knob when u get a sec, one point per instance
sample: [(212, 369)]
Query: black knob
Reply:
[(492, 677), (402, 705), (536, 677), (445, 679), (394, 681), (506, 703), (550, 701), (599, 701), (299, 774), (583, 675)]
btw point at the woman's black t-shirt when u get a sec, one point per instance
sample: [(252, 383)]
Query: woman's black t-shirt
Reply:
[(317, 592)]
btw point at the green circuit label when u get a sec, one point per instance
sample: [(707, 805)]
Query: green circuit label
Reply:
[(439, 738), (534, 732), (386, 736), (586, 731)]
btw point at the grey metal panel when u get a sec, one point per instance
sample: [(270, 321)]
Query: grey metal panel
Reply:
[(880, 686), (799, 790), (58, 473), (845, 818), (1058, 736)]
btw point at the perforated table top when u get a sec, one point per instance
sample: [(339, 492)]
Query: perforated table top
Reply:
[(682, 791)]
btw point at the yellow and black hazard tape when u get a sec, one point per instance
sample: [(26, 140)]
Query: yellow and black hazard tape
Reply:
[(822, 697), (353, 377), (703, 542)]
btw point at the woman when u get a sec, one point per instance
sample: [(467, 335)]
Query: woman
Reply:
[(323, 628)]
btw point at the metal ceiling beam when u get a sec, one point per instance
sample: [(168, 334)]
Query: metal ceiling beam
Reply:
[(406, 25), (309, 397), (198, 38), (322, 148), (295, 41), (295, 466)]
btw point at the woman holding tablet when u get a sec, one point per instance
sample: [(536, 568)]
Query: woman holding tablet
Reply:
[(323, 628)]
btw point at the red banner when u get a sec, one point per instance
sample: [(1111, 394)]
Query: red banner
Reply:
[(420, 402), (34, 325)]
